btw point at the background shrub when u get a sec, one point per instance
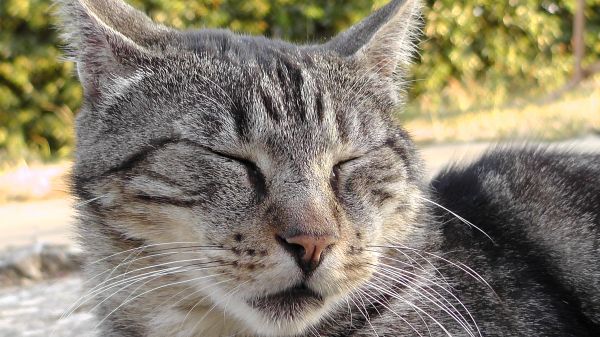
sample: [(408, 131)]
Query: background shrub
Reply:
[(474, 52)]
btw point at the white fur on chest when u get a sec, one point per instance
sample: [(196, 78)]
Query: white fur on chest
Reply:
[(202, 322)]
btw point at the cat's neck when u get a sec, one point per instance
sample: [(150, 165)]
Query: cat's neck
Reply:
[(201, 321)]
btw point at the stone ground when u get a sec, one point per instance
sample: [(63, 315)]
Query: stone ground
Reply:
[(34, 309)]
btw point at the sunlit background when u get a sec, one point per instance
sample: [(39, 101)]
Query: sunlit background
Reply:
[(487, 70)]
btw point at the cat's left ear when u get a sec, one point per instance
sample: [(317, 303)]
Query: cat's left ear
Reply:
[(385, 40), (109, 40)]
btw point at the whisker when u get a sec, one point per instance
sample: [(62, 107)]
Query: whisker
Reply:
[(89, 295), (85, 202), (151, 267), (466, 269), (200, 300), (412, 296), (465, 221), (130, 280), (422, 268), (143, 258), (151, 278), (404, 273), (205, 315), (365, 315), (391, 310), (419, 309), (449, 309), (151, 290), (350, 312), (149, 246)]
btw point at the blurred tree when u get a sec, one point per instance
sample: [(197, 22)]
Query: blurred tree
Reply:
[(473, 51), (579, 40), (37, 92), (492, 51)]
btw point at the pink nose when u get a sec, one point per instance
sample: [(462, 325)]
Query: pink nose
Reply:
[(307, 249)]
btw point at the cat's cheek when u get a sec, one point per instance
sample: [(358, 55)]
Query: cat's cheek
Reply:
[(362, 218), (161, 214), (155, 224)]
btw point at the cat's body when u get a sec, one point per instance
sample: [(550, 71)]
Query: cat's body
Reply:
[(541, 209), (238, 186)]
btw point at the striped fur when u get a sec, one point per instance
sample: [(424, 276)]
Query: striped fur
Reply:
[(197, 149)]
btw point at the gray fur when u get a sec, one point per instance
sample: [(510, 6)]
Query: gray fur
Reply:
[(196, 150)]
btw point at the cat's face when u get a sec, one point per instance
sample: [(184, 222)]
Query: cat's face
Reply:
[(272, 173)]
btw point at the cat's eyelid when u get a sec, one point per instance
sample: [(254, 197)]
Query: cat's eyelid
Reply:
[(360, 155), (233, 157), (346, 161)]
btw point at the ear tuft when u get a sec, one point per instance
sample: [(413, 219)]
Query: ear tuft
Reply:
[(384, 41), (107, 38)]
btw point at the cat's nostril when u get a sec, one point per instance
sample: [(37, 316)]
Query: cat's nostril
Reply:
[(307, 249), (295, 249)]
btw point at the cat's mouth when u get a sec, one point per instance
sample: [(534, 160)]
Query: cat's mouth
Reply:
[(288, 302)]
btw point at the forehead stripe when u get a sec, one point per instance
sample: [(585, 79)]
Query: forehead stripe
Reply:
[(319, 105), (270, 106), (241, 120), (292, 81)]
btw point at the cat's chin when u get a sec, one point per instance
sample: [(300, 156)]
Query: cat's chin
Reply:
[(290, 304), (286, 313)]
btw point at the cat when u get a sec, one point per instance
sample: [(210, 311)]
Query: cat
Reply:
[(232, 185)]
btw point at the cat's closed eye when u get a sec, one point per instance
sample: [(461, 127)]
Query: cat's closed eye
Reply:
[(337, 171), (185, 171), (255, 176)]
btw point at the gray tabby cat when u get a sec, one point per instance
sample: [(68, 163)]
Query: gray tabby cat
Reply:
[(239, 186)]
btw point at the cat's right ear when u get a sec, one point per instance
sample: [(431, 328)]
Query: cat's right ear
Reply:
[(384, 41), (108, 40)]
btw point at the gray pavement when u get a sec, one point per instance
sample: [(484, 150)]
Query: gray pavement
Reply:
[(34, 310)]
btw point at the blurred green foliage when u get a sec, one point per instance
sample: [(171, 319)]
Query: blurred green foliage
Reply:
[(489, 51), (474, 51)]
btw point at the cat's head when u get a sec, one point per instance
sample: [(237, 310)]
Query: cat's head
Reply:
[(283, 158)]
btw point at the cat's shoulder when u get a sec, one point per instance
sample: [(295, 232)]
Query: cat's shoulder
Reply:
[(536, 171), (540, 206), (526, 188)]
